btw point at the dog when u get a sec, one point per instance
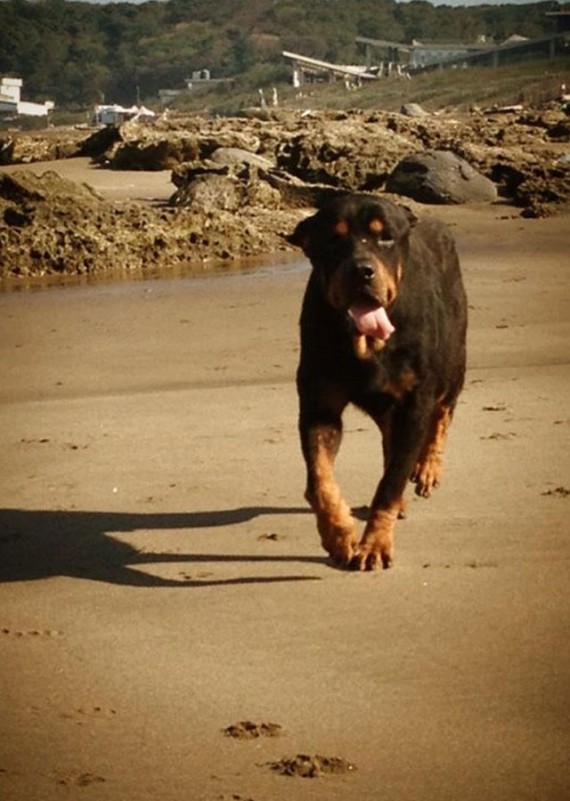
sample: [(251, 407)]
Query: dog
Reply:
[(383, 326)]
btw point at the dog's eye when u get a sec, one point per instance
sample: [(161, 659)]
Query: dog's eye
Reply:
[(341, 228), (375, 226)]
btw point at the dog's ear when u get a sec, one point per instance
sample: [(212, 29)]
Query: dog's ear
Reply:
[(302, 235), (399, 219), (412, 218)]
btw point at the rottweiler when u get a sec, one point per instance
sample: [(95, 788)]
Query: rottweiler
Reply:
[(383, 326)]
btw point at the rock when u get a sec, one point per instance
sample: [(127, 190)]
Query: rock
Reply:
[(160, 154), (544, 190), (183, 173), (207, 185), (440, 177), (413, 110), (156, 156), (139, 146), (235, 155), (156, 146), (295, 193), (355, 152), (48, 145), (209, 192), (25, 186), (229, 179), (97, 143)]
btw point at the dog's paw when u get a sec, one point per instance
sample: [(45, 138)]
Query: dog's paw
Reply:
[(375, 550), (427, 476), (372, 556), (338, 534), (340, 545)]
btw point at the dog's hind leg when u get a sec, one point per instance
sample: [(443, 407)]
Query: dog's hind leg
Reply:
[(321, 435)]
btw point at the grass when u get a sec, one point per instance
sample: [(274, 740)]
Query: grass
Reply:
[(533, 83)]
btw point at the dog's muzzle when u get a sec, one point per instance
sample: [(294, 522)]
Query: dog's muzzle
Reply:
[(364, 273)]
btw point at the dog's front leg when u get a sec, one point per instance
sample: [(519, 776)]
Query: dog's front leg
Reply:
[(320, 442), (407, 432), (427, 473)]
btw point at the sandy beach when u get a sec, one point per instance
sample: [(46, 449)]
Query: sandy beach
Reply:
[(162, 578)]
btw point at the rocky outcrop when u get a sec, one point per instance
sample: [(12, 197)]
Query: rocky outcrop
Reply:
[(48, 145), (356, 154), (239, 184), (53, 226)]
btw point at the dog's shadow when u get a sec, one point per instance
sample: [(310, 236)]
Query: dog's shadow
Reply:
[(80, 544)]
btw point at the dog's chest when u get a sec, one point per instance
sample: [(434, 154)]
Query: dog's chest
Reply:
[(388, 373)]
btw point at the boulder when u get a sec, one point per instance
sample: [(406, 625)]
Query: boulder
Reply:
[(210, 192), (413, 110), (439, 176), (230, 156)]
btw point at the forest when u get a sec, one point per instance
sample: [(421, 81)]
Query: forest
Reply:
[(80, 53)]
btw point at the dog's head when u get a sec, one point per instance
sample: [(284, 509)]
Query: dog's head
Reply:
[(357, 245)]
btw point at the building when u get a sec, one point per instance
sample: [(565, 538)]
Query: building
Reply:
[(12, 105), (562, 19), (116, 115), (317, 70), (201, 79), (419, 57)]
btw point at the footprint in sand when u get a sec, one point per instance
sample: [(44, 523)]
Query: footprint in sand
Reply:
[(305, 766), (82, 780), (557, 492), (246, 730), (31, 633)]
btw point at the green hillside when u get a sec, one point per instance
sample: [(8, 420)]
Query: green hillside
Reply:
[(78, 54)]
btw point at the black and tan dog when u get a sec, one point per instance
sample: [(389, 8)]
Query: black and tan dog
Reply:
[(383, 327)]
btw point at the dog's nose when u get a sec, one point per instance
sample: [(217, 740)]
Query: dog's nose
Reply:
[(365, 272)]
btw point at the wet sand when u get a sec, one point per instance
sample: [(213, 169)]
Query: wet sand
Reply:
[(163, 580), (142, 187)]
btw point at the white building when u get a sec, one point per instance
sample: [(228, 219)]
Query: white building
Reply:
[(11, 102), (116, 115)]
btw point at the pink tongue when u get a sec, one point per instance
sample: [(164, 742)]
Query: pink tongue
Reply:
[(372, 322)]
